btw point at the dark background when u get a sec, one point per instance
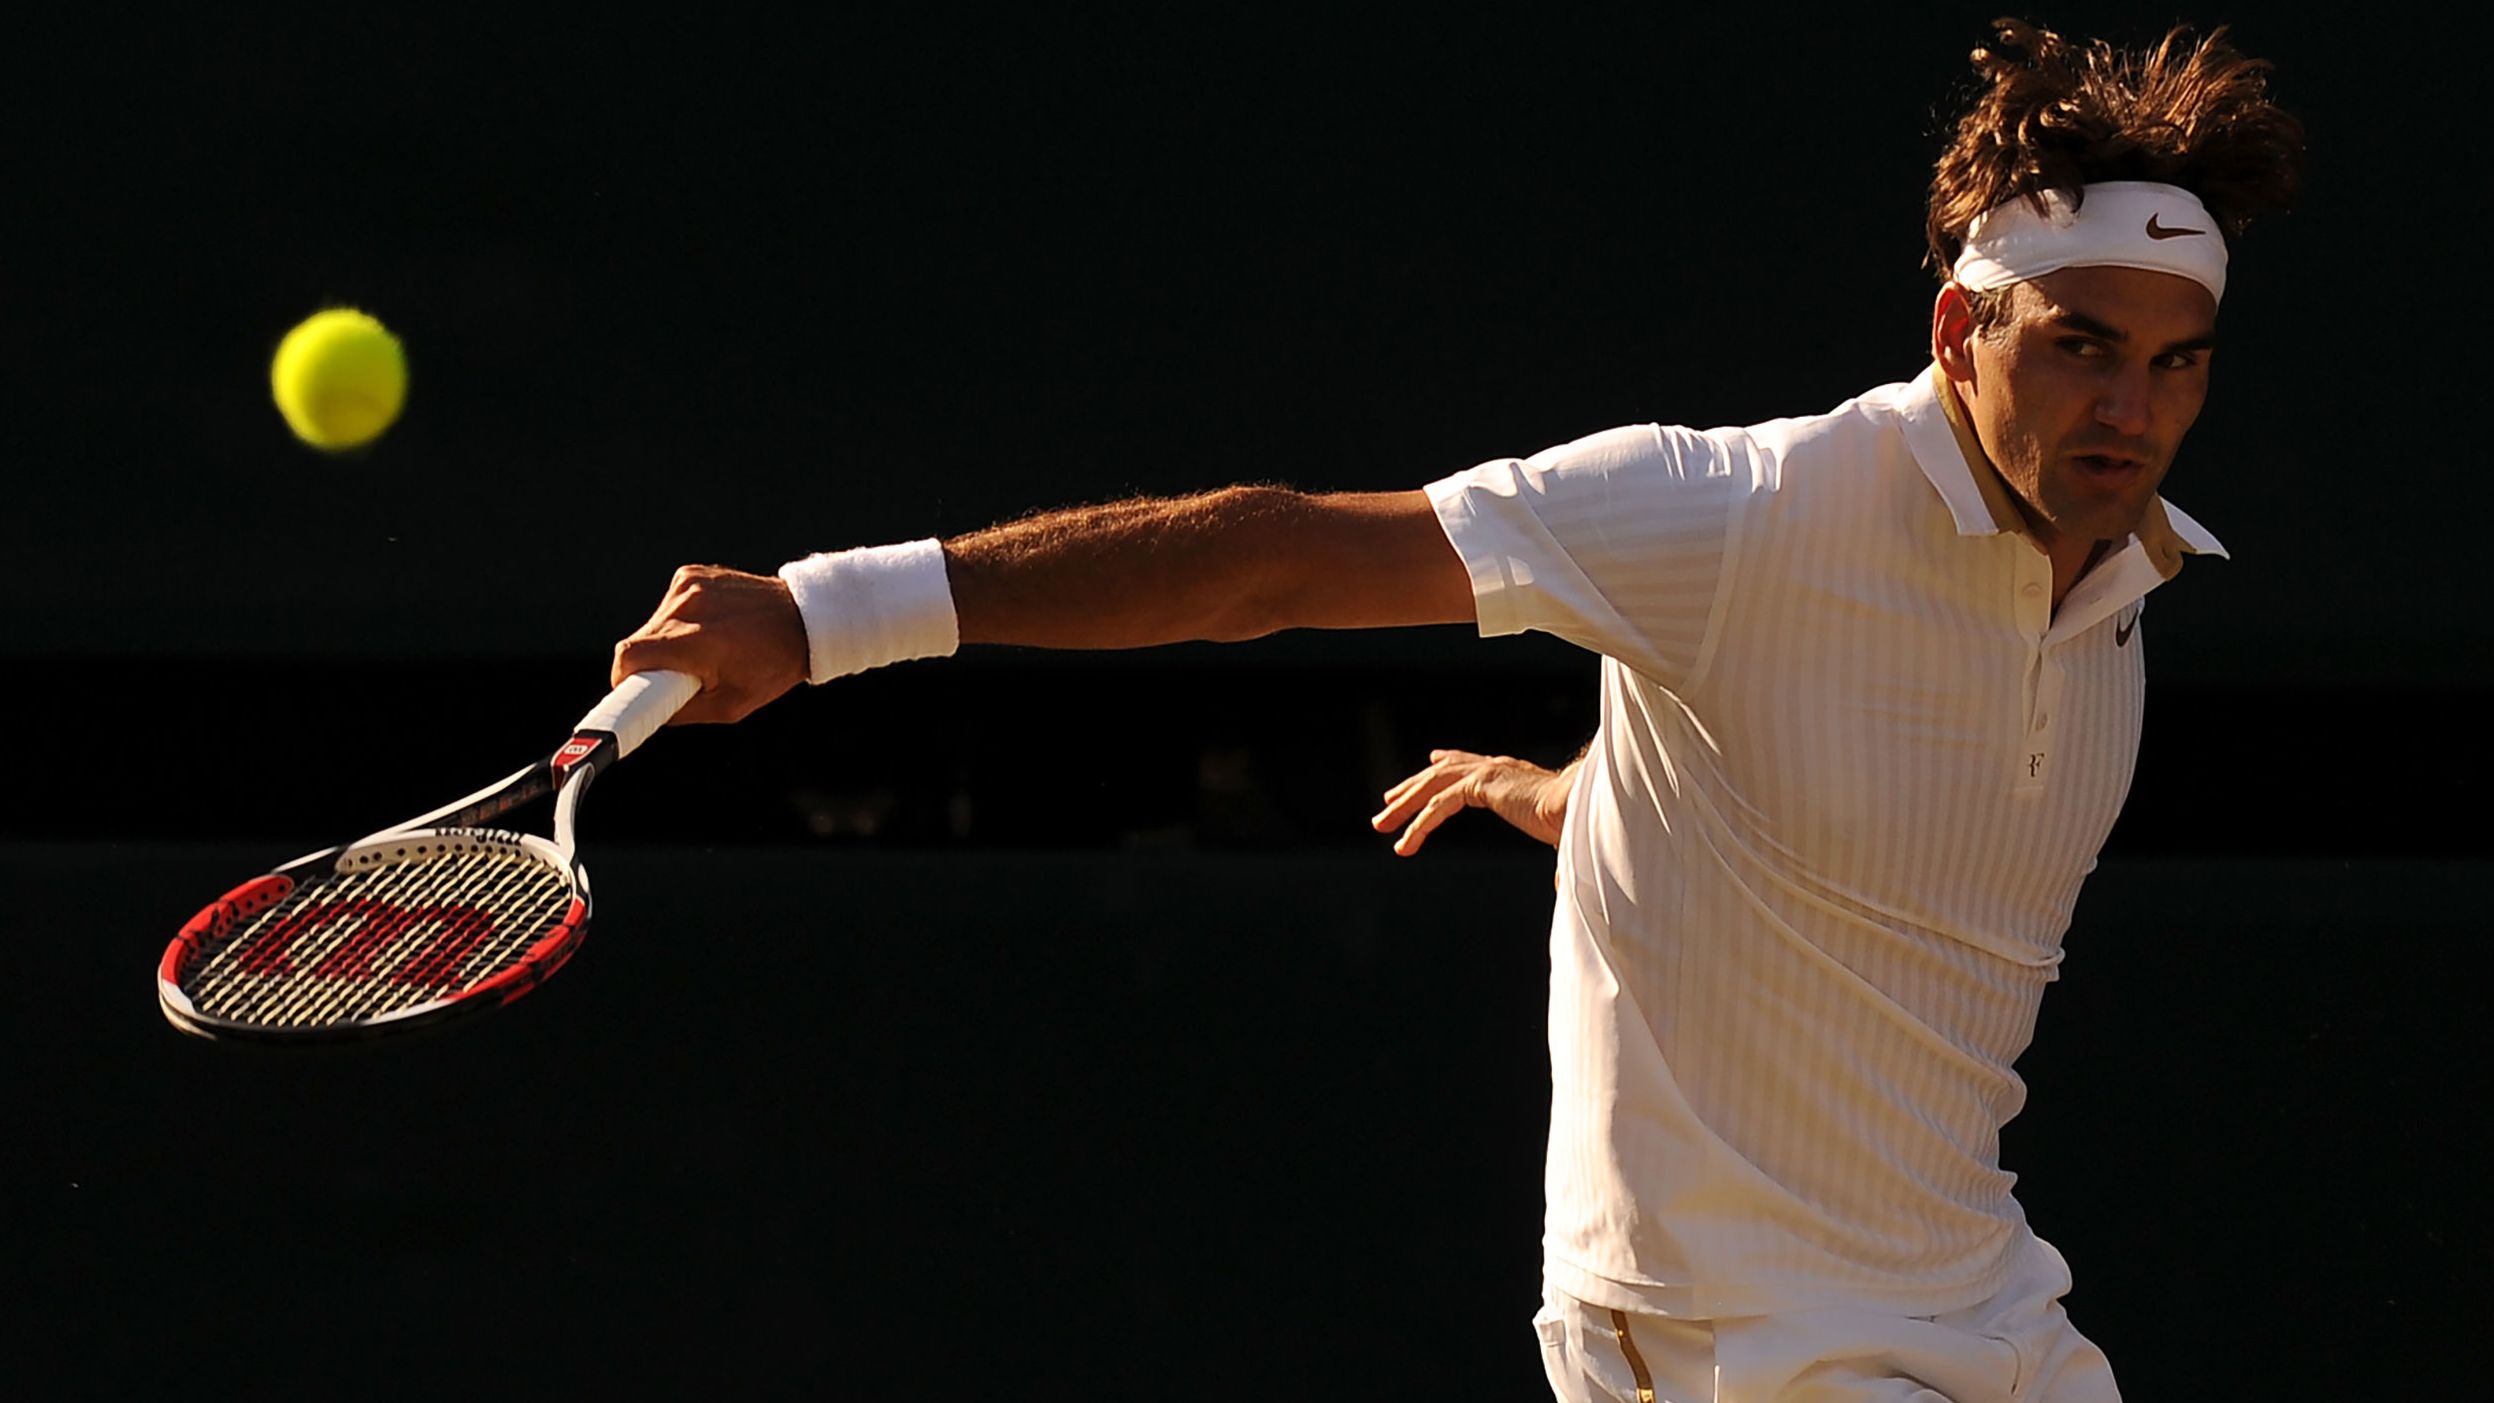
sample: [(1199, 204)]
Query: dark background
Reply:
[(1027, 1017)]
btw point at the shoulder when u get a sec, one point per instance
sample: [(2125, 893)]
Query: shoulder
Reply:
[(1862, 418), (1862, 433), (1658, 455), (1624, 447)]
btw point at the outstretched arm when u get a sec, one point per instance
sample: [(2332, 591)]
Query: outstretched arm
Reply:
[(1235, 564)]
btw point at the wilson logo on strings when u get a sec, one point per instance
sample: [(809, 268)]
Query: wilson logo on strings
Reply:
[(444, 937)]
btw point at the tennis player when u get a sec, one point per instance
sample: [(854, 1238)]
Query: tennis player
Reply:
[(1870, 701)]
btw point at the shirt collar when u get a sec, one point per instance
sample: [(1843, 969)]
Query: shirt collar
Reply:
[(1945, 447)]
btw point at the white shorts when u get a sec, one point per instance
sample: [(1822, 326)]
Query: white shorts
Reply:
[(2018, 1345)]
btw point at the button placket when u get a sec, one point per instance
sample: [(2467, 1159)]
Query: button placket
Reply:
[(2033, 763), (2034, 768)]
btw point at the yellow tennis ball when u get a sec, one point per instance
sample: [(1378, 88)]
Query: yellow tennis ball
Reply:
[(339, 378)]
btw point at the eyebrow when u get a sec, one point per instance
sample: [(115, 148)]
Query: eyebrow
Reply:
[(2087, 325)]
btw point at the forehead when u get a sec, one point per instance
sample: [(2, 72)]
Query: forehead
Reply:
[(2146, 305)]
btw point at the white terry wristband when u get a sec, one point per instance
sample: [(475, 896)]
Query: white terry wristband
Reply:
[(875, 605)]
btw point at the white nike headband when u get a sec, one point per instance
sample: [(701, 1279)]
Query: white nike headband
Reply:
[(2121, 223)]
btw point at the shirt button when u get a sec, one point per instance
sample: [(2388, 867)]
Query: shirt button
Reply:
[(2033, 590)]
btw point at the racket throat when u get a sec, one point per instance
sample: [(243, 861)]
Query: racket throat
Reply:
[(574, 767), (480, 809), (567, 807)]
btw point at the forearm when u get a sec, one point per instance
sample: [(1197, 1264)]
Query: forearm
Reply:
[(1222, 566), (1239, 563)]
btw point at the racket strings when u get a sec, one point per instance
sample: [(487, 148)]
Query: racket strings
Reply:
[(363, 944)]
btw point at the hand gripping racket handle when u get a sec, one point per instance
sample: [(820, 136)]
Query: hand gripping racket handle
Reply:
[(634, 711)]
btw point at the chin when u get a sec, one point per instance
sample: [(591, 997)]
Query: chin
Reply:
[(2099, 521), (2127, 501)]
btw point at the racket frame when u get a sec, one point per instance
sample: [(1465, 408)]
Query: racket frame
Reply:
[(459, 823)]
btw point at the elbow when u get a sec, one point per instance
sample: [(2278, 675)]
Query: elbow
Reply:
[(1277, 579)]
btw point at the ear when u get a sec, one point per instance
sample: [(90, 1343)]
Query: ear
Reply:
[(1952, 329)]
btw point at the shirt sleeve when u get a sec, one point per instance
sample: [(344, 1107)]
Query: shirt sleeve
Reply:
[(1615, 542)]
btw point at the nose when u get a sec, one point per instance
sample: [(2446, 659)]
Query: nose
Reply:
[(2122, 403)]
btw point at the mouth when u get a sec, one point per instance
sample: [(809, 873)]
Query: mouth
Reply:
[(2109, 469)]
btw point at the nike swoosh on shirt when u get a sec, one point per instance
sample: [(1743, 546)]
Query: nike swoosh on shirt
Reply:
[(2159, 231), (2122, 631)]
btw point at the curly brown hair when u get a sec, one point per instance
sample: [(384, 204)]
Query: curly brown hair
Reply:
[(2057, 115)]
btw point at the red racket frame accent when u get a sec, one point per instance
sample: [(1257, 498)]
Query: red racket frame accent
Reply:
[(210, 926), (542, 959)]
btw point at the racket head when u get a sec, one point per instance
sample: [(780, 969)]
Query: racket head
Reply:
[(390, 934)]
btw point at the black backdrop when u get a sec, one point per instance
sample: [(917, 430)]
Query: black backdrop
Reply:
[(713, 289), (710, 291)]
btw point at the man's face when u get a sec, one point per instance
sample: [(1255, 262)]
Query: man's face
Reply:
[(2083, 394)]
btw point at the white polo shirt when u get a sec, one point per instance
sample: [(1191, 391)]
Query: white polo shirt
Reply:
[(1816, 869)]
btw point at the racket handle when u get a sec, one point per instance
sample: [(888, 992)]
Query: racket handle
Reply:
[(635, 710)]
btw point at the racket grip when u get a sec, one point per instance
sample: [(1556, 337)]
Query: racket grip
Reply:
[(635, 710)]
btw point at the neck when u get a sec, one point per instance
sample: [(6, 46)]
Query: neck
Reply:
[(2066, 576)]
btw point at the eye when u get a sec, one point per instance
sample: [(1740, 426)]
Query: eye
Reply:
[(2080, 346), (2177, 360)]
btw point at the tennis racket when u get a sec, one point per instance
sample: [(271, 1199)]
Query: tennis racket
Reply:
[(417, 924)]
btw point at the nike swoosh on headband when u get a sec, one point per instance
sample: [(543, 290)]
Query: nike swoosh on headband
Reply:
[(2120, 223)]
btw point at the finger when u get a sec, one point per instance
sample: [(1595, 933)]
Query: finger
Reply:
[(1444, 805), (709, 709), (1421, 826), (1410, 794), (679, 589), (1405, 788), (738, 700), (1440, 761), (682, 652)]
